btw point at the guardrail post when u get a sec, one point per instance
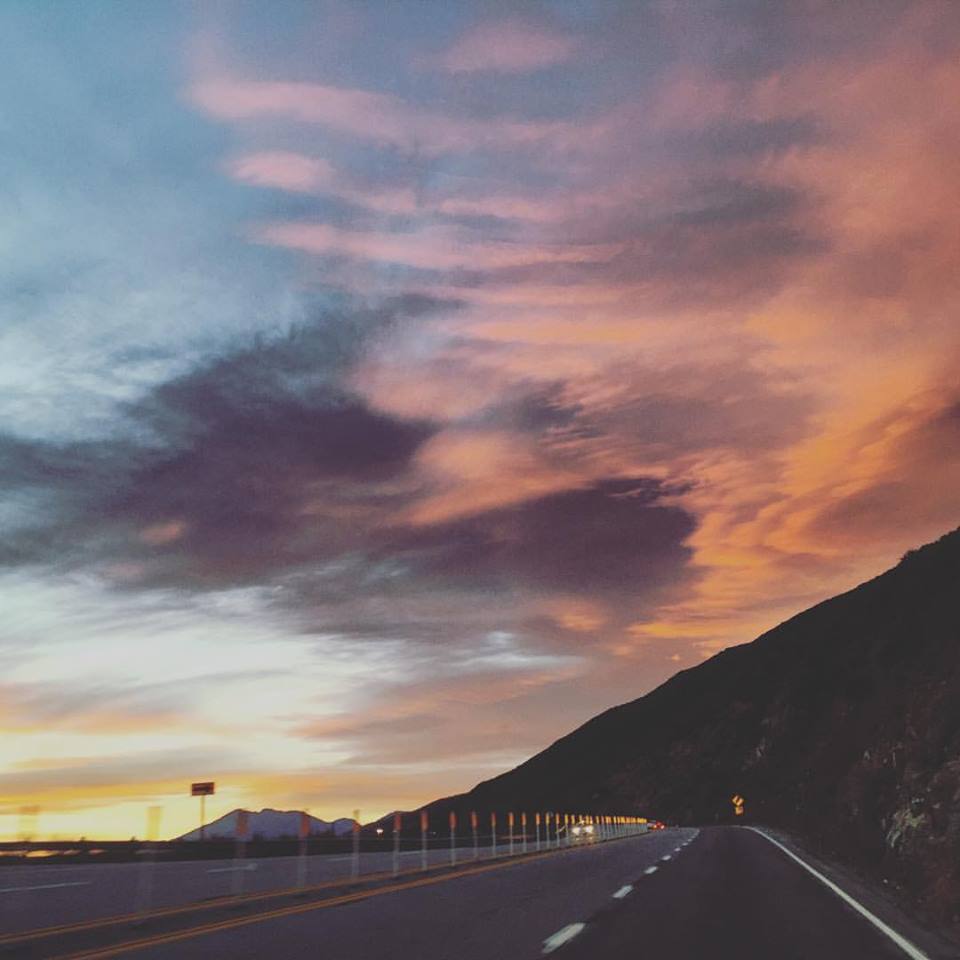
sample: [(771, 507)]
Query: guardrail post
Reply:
[(473, 828), (453, 838), (493, 835), (523, 828), (536, 819), (510, 830)]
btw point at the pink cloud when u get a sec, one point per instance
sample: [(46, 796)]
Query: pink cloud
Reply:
[(299, 173), (507, 46), (380, 118), (282, 169), (431, 248)]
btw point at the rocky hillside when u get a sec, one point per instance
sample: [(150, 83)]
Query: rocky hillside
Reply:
[(842, 725)]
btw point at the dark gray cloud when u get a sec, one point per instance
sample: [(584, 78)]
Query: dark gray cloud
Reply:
[(259, 466), (245, 465), (614, 536)]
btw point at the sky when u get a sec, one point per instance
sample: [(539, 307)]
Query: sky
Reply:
[(388, 388)]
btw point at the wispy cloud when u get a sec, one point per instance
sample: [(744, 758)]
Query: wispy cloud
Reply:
[(506, 46), (609, 339)]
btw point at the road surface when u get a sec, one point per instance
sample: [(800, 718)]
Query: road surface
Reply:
[(683, 894), (43, 894)]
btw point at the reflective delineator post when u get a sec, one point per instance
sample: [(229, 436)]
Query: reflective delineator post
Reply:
[(240, 852), (303, 835), (397, 824), (510, 830), (149, 856), (473, 828), (493, 834), (355, 862), (423, 839), (566, 827), (536, 820), (523, 828), (453, 837)]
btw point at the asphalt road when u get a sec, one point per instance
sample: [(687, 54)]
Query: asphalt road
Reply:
[(43, 895), (684, 894)]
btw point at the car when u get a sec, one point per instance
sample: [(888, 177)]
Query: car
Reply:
[(582, 830)]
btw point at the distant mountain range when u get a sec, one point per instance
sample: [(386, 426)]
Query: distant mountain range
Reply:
[(270, 824), (842, 725)]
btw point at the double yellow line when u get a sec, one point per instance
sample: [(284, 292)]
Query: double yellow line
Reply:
[(101, 953), (10, 939), (160, 939)]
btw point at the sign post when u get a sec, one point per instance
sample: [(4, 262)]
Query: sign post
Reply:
[(202, 790)]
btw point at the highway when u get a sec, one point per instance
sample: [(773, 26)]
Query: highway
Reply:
[(43, 894), (680, 894)]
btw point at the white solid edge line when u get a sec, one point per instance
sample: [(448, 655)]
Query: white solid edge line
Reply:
[(623, 891), (47, 886), (562, 936), (650, 870), (905, 945)]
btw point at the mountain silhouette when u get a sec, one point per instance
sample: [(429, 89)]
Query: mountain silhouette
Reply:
[(841, 725), (268, 824)]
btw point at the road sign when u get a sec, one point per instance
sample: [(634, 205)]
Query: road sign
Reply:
[(738, 803), (202, 790)]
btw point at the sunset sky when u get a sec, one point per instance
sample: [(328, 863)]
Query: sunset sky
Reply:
[(387, 388)]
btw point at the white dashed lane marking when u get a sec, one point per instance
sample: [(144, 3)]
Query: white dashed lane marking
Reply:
[(47, 886), (623, 891), (562, 936)]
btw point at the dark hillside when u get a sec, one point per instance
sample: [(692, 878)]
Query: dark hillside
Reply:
[(842, 724)]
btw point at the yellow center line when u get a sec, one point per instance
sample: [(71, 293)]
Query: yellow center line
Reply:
[(212, 904), (102, 953), (163, 938)]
